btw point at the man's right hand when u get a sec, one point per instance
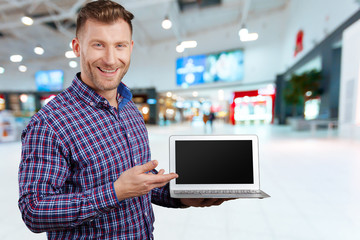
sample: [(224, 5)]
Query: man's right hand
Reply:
[(136, 181)]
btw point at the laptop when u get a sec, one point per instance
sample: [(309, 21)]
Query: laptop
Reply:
[(213, 166)]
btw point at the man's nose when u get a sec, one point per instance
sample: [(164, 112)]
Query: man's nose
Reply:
[(110, 56)]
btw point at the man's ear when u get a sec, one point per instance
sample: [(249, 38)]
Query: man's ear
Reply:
[(131, 45), (76, 46)]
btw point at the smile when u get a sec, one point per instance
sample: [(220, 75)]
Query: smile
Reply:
[(108, 70)]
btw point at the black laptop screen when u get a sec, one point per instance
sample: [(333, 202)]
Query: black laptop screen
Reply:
[(214, 162)]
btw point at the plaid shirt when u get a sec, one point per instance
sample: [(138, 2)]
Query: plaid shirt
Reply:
[(73, 150)]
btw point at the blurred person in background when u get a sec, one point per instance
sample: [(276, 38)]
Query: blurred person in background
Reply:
[(86, 170)]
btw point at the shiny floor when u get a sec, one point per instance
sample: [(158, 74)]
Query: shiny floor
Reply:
[(313, 179)]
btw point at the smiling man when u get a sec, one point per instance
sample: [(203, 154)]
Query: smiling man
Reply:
[(86, 170), (104, 50)]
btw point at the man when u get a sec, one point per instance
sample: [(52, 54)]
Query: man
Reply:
[(86, 171)]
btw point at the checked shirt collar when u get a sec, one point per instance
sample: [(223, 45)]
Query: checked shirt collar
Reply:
[(89, 96)]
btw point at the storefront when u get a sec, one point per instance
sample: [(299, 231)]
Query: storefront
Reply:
[(253, 107)]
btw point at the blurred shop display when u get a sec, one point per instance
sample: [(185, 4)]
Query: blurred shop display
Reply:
[(24, 104), (27, 102), (167, 109), (146, 100), (8, 129), (304, 90), (253, 107), (312, 108), (17, 108), (2, 102), (182, 107), (226, 66)]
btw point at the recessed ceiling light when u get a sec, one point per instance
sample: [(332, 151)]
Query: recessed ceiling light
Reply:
[(166, 23), (22, 68), (180, 48), (2, 70), (39, 50), (16, 58), (27, 20)]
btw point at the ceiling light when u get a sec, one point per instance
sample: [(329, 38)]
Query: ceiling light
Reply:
[(245, 36), (16, 58), (70, 45), (249, 37), (243, 31), (189, 44), (73, 64), (22, 68), (70, 54), (180, 48), (39, 50), (185, 44), (2, 70), (27, 20), (166, 23)]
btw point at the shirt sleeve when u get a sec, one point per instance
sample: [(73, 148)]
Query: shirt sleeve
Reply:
[(161, 197), (44, 168)]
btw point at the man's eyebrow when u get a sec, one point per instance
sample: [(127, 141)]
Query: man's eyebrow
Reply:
[(123, 42), (118, 42)]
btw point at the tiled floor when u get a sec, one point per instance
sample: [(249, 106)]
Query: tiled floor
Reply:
[(313, 180)]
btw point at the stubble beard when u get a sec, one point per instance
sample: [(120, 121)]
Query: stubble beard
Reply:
[(89, 72)]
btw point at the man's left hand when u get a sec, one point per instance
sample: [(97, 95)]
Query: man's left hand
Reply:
[(203, 202)]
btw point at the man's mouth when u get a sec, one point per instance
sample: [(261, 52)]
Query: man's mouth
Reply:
[(108, 70)]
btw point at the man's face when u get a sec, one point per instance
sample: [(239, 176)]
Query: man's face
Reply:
[(104, 50)]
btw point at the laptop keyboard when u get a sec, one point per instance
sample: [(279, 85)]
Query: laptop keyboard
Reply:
[(216, 191)]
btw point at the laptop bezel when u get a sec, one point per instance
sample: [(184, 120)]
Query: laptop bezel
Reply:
[(255, 151)]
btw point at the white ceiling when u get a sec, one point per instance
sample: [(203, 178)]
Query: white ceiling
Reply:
[(16, 38)]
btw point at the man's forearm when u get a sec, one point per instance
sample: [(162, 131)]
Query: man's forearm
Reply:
[(54, 212)]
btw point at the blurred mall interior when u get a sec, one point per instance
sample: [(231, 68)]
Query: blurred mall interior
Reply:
[(286, 70)]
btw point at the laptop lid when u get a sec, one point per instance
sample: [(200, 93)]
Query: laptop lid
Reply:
[(214, 162)]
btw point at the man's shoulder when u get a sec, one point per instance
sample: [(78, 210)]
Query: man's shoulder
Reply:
[(59, 107)]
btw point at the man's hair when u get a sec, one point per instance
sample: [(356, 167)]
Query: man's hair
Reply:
[(105, 11)]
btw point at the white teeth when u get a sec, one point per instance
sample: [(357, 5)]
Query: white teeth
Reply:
[(108, 71)]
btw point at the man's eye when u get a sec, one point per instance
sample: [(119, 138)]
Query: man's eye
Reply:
[(98, 44)]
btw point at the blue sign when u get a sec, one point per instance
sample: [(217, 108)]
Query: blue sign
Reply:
[(220, 67)]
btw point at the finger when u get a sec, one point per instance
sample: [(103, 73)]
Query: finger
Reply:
[(160, 180), (164, 178), (218, 202), (161, 172), (207, 202), (148, 166)]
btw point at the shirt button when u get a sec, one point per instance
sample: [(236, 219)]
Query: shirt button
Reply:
[(146, 214), (128, 134), (92, 103), (106, 102)]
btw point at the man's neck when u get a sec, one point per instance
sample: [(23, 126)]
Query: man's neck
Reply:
[(110, 97)]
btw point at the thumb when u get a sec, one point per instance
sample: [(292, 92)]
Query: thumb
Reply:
[(149, 166)]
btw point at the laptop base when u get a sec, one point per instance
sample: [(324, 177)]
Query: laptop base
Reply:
[(202, 194)]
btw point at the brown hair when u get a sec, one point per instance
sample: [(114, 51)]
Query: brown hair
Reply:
[(105, 11)]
